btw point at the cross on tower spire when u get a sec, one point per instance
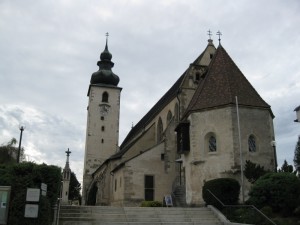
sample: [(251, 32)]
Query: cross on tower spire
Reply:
[(106, 34), (209, 34), (219, 34), (68, 154)]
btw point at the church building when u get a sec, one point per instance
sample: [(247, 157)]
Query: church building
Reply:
[(204, 127)]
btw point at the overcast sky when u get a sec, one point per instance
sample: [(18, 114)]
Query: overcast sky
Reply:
[(49, 49)]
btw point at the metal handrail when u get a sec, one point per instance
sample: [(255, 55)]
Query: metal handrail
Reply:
[(245, 206)]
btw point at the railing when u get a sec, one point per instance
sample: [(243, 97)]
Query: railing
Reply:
[(248, 214)]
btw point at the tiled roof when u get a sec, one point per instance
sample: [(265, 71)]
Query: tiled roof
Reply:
[(221, 84)]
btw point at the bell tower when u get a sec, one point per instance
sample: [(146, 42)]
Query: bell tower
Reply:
[(102, 131)]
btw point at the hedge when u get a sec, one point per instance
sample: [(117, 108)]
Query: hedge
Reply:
[(30, 175)]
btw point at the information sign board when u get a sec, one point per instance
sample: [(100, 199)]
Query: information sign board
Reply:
[(31, 211), (168, 200), (33, 195)]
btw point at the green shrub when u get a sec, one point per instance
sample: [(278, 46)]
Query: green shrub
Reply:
[(225, 189), (280, 191), (151, 204)]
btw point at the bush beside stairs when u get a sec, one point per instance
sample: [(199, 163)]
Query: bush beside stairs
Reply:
[(106, 215)]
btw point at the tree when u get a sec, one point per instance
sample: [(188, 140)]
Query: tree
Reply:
[(286, 168), (74, 188), (253, 171), (297, 156), (9, 152), (280, 191)]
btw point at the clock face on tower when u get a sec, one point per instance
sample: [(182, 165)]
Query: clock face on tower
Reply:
[(104, 109)]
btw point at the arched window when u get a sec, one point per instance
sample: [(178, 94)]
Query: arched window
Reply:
[(212, 144), (159, 130), (169, 116), (105, 97), (176, 112), (252, 143)]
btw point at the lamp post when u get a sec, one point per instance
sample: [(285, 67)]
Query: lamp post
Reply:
[(297, 110), (22, 128)]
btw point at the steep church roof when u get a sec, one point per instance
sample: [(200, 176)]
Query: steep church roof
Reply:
[(221, 84), (163, 101)]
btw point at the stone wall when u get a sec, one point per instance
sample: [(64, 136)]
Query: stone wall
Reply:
[(202, 165)]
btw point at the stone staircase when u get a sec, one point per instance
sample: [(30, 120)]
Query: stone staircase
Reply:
[(106, 215), (179, 196)]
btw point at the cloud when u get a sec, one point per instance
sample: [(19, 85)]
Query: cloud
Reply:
[(50, 49), (46, 137)]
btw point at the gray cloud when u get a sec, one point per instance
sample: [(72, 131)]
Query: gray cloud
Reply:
[(50, 49)]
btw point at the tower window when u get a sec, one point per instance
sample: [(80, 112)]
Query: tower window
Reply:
[(211, 56), (212, 144), (105, 97), (102, 128), (102, 117), (252, 143), (197, 77), (102, 140)]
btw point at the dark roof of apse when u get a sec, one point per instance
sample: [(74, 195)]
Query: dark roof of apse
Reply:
[(163, 101), (222, 83)]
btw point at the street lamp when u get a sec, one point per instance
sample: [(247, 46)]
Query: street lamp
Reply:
[(22, 128), (297, 110)]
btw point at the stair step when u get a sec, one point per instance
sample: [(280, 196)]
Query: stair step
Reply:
[(103, 215)]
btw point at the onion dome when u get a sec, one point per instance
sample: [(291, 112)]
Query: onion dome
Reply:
[(105, 75)]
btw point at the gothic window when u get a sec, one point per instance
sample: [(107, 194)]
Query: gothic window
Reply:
[(149, 187), (197, 77), (252, 143), (159, 130), (176, 112), (105, 97), (169, 116), (212, 144)]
